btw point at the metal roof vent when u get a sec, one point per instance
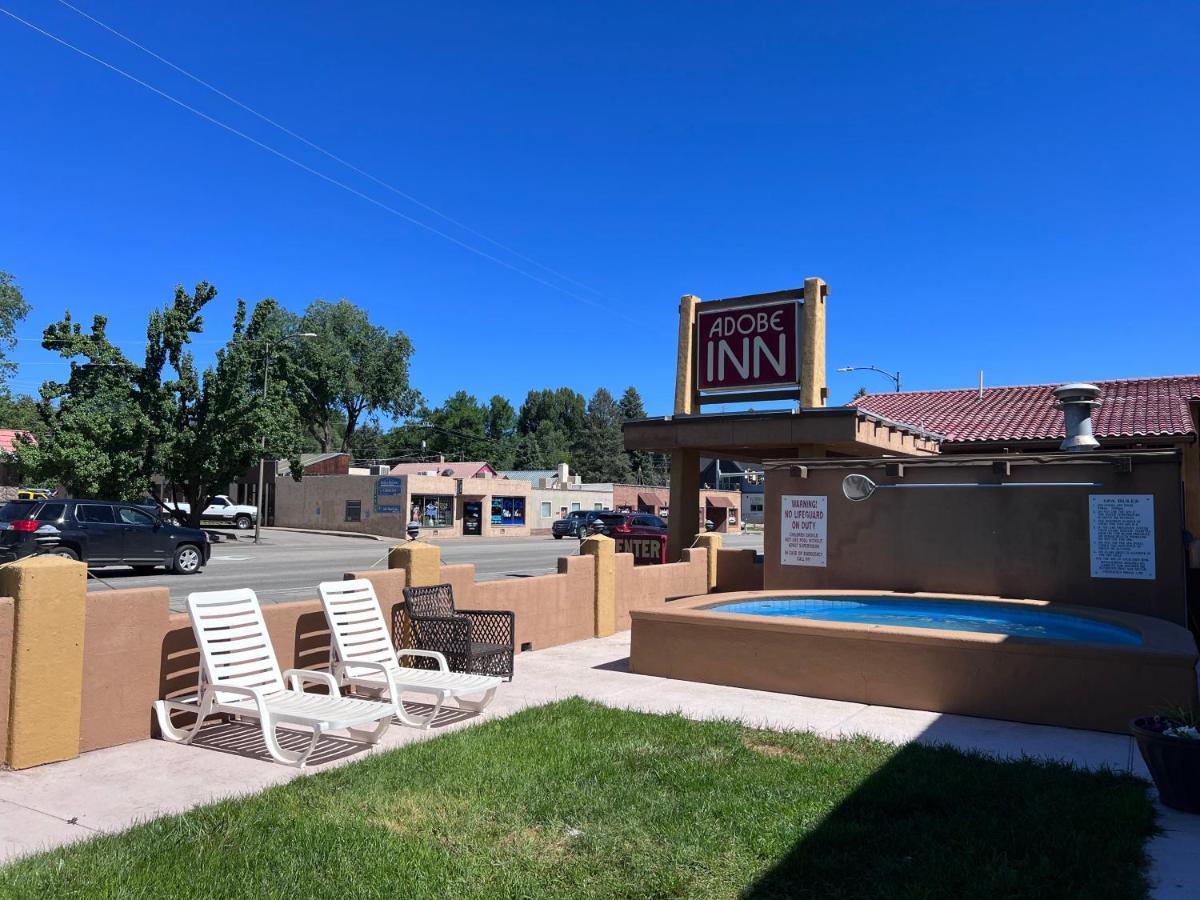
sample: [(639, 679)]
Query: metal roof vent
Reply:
[(1077, 402)]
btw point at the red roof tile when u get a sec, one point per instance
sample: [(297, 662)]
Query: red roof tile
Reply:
[(8, 439), (1129, 408)]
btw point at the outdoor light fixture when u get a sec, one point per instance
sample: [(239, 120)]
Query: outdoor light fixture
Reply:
[(856, 486)]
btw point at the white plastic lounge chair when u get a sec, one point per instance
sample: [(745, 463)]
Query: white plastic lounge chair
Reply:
[(363, 656), (239, 675)]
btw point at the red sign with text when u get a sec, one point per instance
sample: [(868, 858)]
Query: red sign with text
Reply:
[(749, 346)]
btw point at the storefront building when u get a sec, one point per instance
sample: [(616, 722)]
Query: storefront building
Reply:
[(721, 508), (385, 504)]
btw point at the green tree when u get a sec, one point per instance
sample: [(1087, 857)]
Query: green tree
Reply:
[(601, 455), (13, 308), (19, 411), (349, 370), (458, 427), (500, 427), (113, 425), (645, 468)]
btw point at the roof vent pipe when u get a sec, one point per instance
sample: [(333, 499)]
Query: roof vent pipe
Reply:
[(1077, 402)]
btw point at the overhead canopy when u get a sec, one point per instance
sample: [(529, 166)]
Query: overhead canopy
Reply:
[(779, 434), (719, 502), (649, 499)]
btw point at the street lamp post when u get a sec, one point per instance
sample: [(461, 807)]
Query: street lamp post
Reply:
[(894, 376), (262, 456)]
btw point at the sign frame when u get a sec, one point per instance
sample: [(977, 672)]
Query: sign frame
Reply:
[(740, 307)]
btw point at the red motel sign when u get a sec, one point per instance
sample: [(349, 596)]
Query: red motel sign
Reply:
[(749, 346)]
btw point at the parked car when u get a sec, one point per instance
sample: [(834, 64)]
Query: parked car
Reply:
[(612, 524), (221, 509), (100, 533), (576, 524)]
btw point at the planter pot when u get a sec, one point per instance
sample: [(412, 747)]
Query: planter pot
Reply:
[(1174, 764)]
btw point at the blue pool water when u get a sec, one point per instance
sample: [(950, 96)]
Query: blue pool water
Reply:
[(951, 615)]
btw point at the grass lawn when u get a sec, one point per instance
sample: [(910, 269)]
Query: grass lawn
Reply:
[(578, 800)]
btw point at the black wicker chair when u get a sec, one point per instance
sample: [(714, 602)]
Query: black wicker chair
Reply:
[(472, 640)]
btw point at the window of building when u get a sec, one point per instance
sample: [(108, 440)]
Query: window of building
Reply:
[(508, 510), (547, 510), (574, 507), (433, 511), (353, 510), (756, 506), (597, 506)]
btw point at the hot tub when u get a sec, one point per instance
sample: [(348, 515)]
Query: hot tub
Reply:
[(1024, 660)]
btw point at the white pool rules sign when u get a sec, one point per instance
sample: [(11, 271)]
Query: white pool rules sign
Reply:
[(804, 530), (1122, 535)]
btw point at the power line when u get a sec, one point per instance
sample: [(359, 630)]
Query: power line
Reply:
[(353, 168), (295, 162)]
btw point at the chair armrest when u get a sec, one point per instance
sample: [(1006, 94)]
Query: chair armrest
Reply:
[(296, 676), (253, 693), (432, 654)]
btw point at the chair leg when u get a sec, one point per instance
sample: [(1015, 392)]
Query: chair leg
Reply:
[(170, 731), (422, 722), (374, 735), (477, 705), (287, 757)]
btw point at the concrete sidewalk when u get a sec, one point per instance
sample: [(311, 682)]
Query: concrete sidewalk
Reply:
[(109, 790)]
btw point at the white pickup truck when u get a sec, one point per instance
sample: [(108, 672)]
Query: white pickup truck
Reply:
[(221, 509)]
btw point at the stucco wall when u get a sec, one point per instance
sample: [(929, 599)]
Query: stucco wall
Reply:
[(7, 610), (1024, 542), (122, 655), (650, 587), (560, 499), (739, 570)]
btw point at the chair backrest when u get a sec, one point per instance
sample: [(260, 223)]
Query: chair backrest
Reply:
[(356, 623), (235, 647), (432, 600)]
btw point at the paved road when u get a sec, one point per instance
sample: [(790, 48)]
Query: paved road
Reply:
[(288, 565)]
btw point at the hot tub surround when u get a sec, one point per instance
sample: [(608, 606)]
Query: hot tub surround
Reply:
[(1050, 682)]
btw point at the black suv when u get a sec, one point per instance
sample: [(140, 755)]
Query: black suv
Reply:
[(101, 533), (578, 523)]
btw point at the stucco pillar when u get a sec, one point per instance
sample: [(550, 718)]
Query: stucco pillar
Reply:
[(603, 550), (812, 355), (421, 562), (49, 595), (711, 542), (685, 362), (683, 524)]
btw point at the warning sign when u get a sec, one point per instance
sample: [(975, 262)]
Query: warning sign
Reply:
[(1122, 535), (804, 530)]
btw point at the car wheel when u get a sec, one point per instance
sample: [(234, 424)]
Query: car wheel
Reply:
[(243, 523), (558, 537), (187, 560), (65, 553), (581, 532)]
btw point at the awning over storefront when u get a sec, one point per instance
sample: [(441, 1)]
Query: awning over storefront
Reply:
[(719, 502), (652, 500)]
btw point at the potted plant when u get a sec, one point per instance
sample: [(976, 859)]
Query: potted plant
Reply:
[(1170, 745)]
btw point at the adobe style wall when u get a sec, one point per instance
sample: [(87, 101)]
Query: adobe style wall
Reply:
[(739, 570), (1008, 542), (651, 587), (7, 610)]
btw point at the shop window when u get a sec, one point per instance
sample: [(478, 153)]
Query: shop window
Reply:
[(547, 510), (574, 507), (353, 510), (433, 511), (597, 506), (508, 510)]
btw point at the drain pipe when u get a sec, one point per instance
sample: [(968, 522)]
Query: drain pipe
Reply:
[(1077, 402)]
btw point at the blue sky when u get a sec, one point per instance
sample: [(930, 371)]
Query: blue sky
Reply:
[(1006, 186)]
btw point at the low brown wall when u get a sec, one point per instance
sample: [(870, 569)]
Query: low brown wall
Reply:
[(122, 651), (1077, 685), (7, 623), (650, 587), (739, 570)]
